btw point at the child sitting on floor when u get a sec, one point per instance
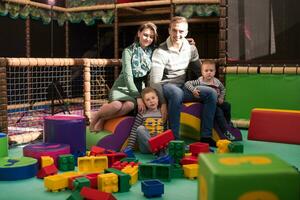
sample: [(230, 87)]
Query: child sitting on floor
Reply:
[(223, 110), (147, 124)]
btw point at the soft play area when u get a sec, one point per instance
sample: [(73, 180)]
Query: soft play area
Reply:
[(59, 60)]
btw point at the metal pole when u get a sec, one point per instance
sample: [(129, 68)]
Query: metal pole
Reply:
[(51, 33)]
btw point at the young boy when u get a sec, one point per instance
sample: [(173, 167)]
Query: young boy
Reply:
[(147, 124), (223, 110)]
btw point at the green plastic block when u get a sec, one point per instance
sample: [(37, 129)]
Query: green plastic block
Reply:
[(80, 182), (176, 150), (177, 171), (155, 171), (235, 176), (66, 162), (236, 147)]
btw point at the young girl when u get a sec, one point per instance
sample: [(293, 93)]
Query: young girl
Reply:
[(223, 110), (147, 124), (125, 93)]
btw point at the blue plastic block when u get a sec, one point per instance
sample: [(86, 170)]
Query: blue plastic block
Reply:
[(152, 188)]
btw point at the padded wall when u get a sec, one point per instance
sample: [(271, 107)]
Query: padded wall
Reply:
[(248, 91)]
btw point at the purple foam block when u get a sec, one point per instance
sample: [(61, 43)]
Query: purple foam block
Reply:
[(66, 129)]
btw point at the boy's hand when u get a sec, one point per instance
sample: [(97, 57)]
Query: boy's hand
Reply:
[(196, 92), (141, 105), (220, 100), (164, 112)]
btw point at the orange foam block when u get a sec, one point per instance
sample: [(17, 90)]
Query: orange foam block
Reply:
[(275, 125)]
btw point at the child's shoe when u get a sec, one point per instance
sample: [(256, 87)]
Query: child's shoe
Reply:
[(229, 136)]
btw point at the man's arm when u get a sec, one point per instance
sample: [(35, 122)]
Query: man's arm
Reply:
[(194, 68), (156, 74)]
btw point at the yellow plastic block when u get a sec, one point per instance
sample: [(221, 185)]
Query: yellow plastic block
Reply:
[(59, 181), (223, 146), (191, 170), (108, 182), (92, 164), (133, 172), (46, 161)]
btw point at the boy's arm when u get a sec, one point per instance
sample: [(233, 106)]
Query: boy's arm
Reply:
[(222, 90), (133, 134), (190, 85)]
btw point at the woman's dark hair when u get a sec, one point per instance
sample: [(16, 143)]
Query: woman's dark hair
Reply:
[(151, 26)]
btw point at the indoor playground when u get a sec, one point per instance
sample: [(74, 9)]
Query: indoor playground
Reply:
[(60, 58)]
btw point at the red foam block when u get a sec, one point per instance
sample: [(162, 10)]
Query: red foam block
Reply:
[(275, 126)]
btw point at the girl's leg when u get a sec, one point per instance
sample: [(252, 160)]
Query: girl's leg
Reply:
[(143, 137)]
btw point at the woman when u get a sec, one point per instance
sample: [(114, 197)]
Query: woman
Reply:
[(125, 93)]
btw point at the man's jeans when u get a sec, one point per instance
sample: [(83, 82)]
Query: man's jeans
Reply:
[(175, 95)]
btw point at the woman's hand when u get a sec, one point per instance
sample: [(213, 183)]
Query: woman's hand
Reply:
[(141, 105), (164, 112)]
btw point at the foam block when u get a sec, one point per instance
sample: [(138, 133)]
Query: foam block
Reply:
[(66, 129), (46, 149), (115, 133), (3, 145), (246, 177), (12, 169), (190, 123), (275, 125)]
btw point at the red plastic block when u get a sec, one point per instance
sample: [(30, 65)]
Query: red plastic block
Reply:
[(161, 141), (199, 147), (93, 194), (275, 125), (189, 160), (47, 171), (96, 151)]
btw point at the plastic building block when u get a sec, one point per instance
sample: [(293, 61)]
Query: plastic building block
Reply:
[(92, 164), (71, 180), (155, 171), (191, 171), (236, 147), (96, 151), (163, 160), (199, 147), (66, 162), (189, 160), (152, 188), (176, 150), (59, 181), (80, 182), (108, 182), (123, 179), (133, 172), (112, 157), (93, 179), (46, 161), (75, 195), (223, 146), (160, 141), (47, 171), (93, 194), (129, 160), (177, 171)]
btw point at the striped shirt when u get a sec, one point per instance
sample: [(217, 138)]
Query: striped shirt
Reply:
[(151, 120), (215, 84)]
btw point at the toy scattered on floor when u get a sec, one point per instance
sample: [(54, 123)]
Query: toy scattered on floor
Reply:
[(152, 188), (161, 141), (275, 125)]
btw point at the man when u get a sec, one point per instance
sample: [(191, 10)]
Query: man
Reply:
[(170, 63)]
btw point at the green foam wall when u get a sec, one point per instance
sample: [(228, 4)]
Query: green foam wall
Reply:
[(275, 91)]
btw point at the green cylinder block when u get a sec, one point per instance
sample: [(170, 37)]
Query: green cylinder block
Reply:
[(3, 145)]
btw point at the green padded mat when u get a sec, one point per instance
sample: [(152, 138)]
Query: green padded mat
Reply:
[(248, 91)]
